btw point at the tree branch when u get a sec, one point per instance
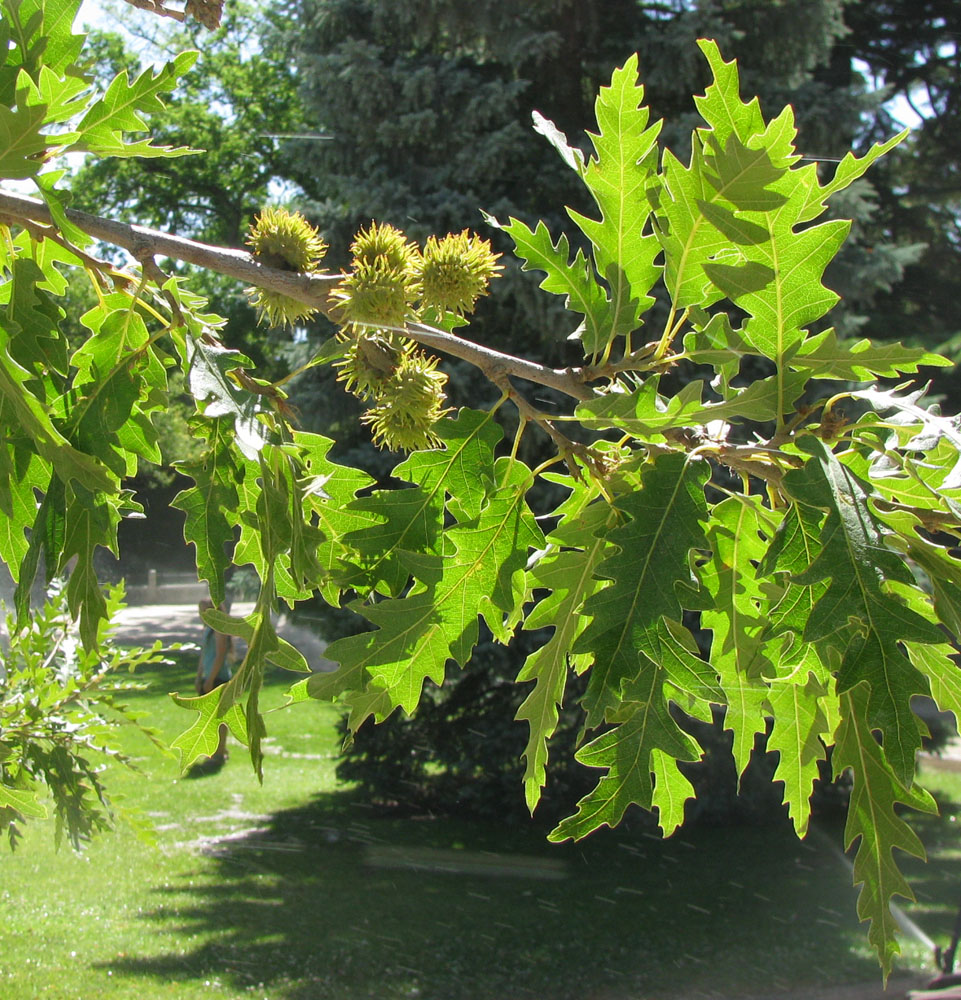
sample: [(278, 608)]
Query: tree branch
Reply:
[(311, 289), (142, 242)]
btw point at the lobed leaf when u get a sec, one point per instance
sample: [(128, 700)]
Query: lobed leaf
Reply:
[(663, 523), (854, 555), (573, 279), (618, 176), (566, 570), (418, 633), (874, 820), (626, 752)]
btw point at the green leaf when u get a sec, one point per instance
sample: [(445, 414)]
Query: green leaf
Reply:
[(848, 171), (47, 538), (714, 342), (618, 177), (795, 545), (944, 573), (671, 792), (202, 738), (566, 571), (210, 382), (854, 555), (732, 218), (873, 817), (59, 97), (943, 673), (327, 489), (646, 414), (400, 527), (822, 356), (571, 155), (688, 238), (664, 522), (800, 726), (206, 502), (21, 474), (418, 633), (32, 320), (121, 109), (21, 801), (673, 646), (721, 106), (934, 427), (21, 142), (91, 521), (60, 46), (35, 422), (626, 751), (282, 655), (575, 280), (739, 618)]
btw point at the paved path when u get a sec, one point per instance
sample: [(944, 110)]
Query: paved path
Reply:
[(142, 625)]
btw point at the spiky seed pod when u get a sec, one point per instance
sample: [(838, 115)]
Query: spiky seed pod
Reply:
[(285, 240), (409, 404), (383, 243), (371, 358), (454, 271), (278, 310), (375, 294)]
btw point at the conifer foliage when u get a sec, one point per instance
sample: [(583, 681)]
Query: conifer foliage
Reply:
[(808, 526)]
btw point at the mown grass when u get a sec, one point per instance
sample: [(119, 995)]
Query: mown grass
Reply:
[(298, 890)]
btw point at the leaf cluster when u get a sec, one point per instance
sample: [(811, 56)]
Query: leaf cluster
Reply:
[(60, 708), (755, 540)]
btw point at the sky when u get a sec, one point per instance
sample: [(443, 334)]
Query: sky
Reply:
[(96, 14)]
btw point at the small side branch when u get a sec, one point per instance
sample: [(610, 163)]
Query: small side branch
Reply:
[(158, 8), (496, 365), (567, 447)]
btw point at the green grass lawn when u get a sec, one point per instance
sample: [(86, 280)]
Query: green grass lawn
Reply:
[(299, 891)]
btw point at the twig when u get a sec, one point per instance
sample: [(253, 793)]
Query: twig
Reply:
[(496, 365), (567, 447), (39, 232), (157, 7), (152, 271)]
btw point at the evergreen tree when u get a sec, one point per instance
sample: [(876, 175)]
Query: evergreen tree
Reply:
[(910, 48)]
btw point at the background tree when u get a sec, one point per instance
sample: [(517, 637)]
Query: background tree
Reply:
[(911, 52)]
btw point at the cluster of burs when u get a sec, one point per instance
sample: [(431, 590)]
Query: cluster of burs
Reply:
[(391, 282)]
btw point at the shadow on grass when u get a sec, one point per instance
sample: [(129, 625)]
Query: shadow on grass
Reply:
[(333, 899), (178, 673)]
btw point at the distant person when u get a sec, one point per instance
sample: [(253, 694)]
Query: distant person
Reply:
[(213, 669)]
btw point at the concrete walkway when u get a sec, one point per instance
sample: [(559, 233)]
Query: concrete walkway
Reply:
[(142, 625)]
